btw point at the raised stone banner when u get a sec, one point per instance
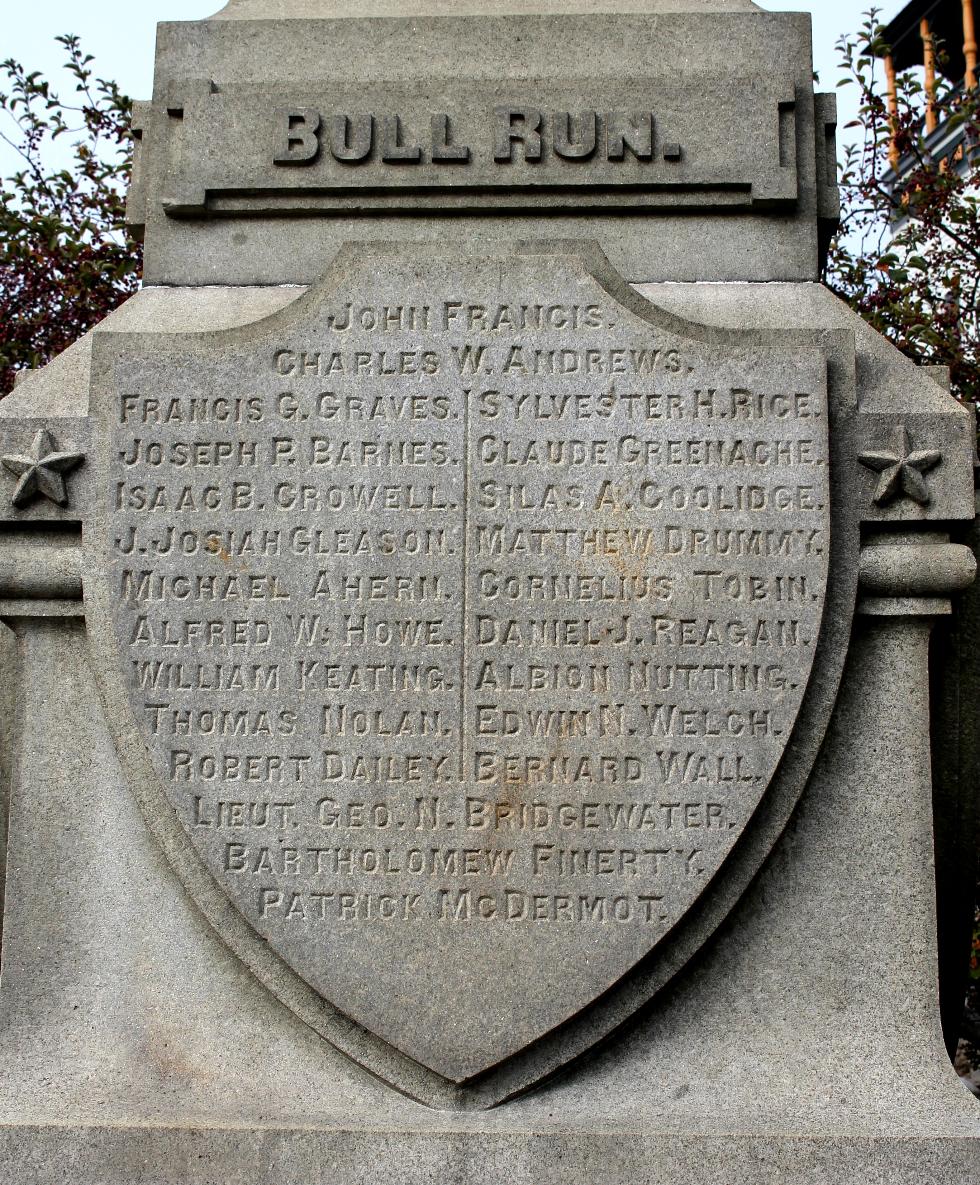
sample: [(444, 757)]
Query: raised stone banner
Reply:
[(450, 656)]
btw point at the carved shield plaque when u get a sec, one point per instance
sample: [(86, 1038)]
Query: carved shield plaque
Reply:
[(457, 618)]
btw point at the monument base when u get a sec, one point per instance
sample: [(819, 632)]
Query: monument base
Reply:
[(277, 1156)]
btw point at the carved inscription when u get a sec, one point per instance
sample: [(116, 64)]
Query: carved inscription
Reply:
[(516, 133), (466, 615)]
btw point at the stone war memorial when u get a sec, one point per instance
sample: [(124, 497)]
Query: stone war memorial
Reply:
[(466, 690)]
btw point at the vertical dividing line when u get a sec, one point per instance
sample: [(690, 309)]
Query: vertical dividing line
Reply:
[(465, 631)]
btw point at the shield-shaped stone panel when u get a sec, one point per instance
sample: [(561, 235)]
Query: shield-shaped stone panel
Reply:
[(455, 625)]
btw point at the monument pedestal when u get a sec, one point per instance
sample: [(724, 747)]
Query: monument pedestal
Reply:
[(470, 713)]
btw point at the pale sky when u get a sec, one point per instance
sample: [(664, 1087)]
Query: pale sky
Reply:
[(120, 33)]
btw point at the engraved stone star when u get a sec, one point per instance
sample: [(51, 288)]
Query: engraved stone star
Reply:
[(41, 474), (901, 469)]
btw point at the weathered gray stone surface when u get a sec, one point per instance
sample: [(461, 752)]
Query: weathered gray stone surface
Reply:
[(218, 209), (782, 1061), (494, 766), (443, 614), (8, 708), (237, 10)]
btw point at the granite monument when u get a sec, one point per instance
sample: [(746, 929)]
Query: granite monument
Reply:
[(469, 712)]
